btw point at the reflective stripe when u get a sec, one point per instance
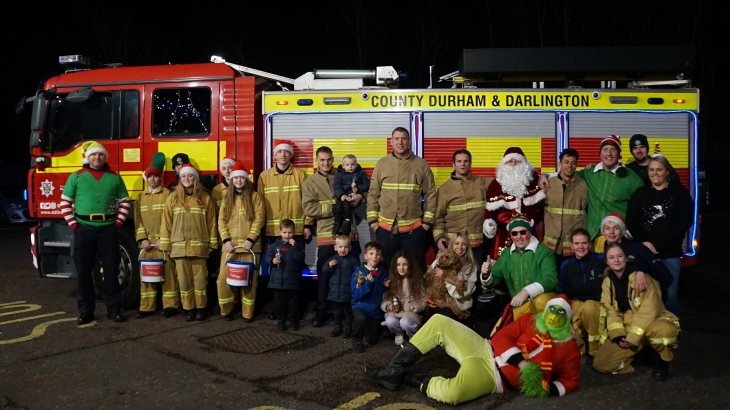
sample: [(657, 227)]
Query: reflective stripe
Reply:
[(169, 294), (594, 338), (636, 330), (467, 206), (223, 301), (372, 214), (292, 188), (158, 207), (271, 190), (277, 222), (164, 240), (602, 320), (288, 188), (428, 214), (186, 292), (224, 231), (663, 340), (192, 211), (398, 186), (615, 325), (143, 208), (248, 301), (200, 292), (146, 295), (564, 211), (255, 231)]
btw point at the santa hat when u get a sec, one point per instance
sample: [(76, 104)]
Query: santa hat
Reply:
[(188, 169), (157, 166), (563, 302), (519, 220), (284, 145), (227, 161), (614, 141), (239, 171), (616, 218), (513, 153), (91, 147)]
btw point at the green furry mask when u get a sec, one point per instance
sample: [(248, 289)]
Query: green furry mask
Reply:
[(558, 334)]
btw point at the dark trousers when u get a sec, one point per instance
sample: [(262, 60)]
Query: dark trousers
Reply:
[(344, 210), (413, 242), (342, 310), (265, 296), (324, 253), (88, 240), (285, 305), (364, 328)]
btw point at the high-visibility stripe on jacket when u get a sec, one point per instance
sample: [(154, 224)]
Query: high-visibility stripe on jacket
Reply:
[(148, 210), (460, 208), (397, 188), (189, 232), (565, 211), (282, 195), (318, 201), (238, 229)]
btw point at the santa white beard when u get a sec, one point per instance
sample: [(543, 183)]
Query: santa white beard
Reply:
[(515, 179)]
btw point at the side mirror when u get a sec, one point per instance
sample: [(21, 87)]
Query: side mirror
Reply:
[(38, 115), (80, 95), (20, 106)]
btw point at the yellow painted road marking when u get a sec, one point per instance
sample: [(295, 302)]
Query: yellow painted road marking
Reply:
[(358, 401), (32, 317), (405, 406), (12, 303), (29, 308), (39, 330)]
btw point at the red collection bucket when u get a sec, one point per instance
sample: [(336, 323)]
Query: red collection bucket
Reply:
[(240, 273), (151, 270)]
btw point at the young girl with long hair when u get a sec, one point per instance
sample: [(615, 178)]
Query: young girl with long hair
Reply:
[(405, 299), (240, 221)]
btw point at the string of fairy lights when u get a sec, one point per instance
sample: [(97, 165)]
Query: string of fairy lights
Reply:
[(180, 108)]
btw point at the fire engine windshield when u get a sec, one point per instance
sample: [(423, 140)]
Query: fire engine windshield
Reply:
[(71, 122)]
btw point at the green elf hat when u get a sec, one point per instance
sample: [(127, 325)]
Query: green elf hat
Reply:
[(91, 147), (157, 166), (519, 220)]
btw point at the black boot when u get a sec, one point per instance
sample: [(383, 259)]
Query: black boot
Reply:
[(319, 318), (661, 367), (346, 227), (418, 381), (391, 375)]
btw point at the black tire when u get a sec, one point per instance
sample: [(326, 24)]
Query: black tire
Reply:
[(128, 270), (4, 223)]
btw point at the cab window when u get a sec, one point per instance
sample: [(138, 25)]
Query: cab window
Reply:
[(181, 112), (71, 122)]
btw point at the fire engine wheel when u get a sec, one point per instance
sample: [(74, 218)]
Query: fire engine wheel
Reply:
[(128, 270)]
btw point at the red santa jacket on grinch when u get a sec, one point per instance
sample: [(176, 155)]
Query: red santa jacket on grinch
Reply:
[(558, 360), (501, 205)]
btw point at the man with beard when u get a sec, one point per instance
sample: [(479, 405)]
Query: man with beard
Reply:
[(515, 189), (639, 145)]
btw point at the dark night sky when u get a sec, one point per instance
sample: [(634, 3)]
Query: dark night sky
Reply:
[(289, 41)]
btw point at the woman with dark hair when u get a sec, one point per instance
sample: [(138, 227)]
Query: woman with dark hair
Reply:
[(405, 300), (633, 319), (659, 216)]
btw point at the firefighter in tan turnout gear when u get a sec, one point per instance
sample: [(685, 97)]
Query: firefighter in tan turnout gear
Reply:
[(240, 221), (148, 210), (189, 234), (395, 211)]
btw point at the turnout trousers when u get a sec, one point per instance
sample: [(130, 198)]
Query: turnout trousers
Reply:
[(170, 288), (192, 275), (227, 295)]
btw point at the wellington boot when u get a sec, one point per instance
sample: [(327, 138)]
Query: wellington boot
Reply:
[(418, 381), (391, 375)]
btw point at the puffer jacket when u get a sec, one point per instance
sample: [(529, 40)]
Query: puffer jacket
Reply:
[(343, 181), (189, 232), (239, 229), (460, 208), (370, 294), (285, 275), (565, 211), (148, 210), (282, 195), (412, 308), (396, 189), (318, 200), (340, 277)]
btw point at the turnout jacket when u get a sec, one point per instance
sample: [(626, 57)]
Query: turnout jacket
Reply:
[(561, 358), (239, 229), (189, 232), (532, 269), (318, 200), (565, 211), (101, 193), (148, 214), (339, 290), (218, 193), (282, 195), (581, 279), (644, 308), (285, 275), (396, 189), (370, 294), (460, 208)]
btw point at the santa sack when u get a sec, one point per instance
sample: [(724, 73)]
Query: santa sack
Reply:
[(151, 270), (240, 273)]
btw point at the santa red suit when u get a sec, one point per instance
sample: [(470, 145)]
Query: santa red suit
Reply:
[(559, 360), (515, 189)]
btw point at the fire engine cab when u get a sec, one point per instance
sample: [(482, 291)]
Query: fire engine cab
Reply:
[(218, 109)]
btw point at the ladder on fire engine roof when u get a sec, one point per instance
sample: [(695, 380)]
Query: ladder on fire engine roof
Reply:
[(252, 71)]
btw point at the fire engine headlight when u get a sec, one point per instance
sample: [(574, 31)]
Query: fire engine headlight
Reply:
[(596, 95), (32, 239)]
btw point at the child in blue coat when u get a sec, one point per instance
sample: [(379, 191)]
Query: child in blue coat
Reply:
[(286, 260), (350, 179), (368, 284), (339, 269)]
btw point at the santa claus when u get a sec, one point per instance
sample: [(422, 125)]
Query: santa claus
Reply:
[(515, 189)]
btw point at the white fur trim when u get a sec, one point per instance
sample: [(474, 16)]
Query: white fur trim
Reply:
[(562, 302), (502, 359), (534, 289), (495, 372), (532, 200), (560, 387), (489, 228), (239, 173), (511, 156), (284, 146), (615, 220), (188, 170), (227, 161), (493, 206)]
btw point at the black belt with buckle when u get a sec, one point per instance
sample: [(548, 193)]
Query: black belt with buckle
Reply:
[(96, 217)]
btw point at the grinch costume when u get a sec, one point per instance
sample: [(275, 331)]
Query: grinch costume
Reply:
[(536, 354)]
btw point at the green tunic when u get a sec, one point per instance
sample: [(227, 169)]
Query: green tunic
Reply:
[(92, 196), (607, 193), (536, 264)]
